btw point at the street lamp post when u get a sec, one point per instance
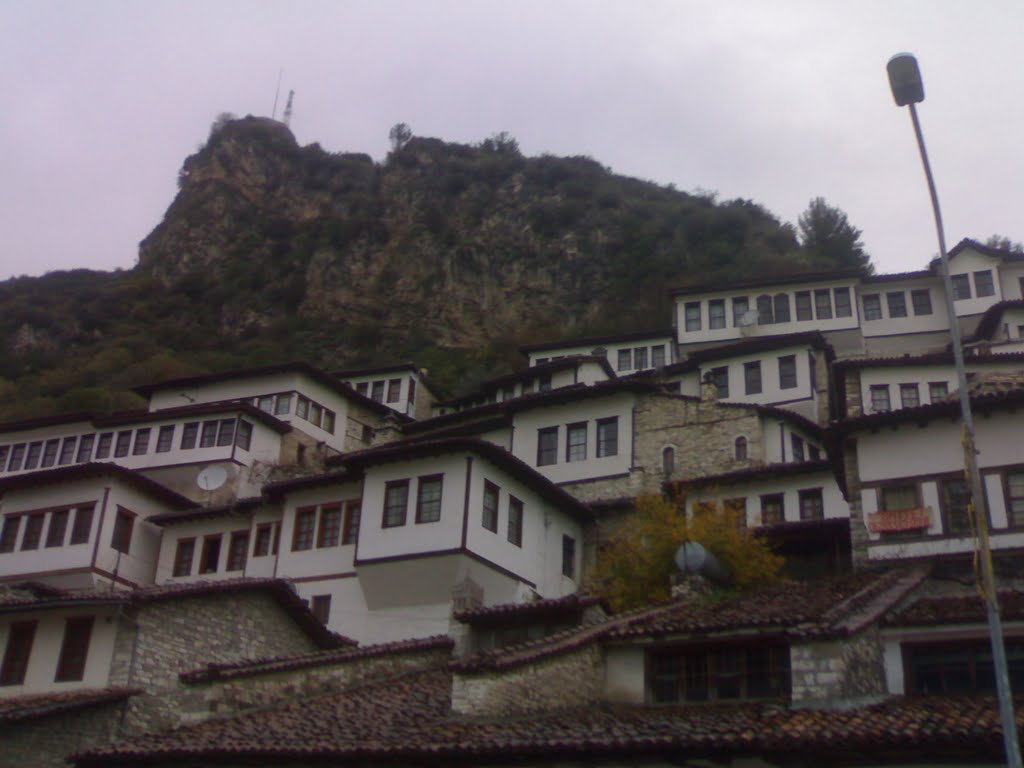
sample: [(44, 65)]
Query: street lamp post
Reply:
[(908, 90)]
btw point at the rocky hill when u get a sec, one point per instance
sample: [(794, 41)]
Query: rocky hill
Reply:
[(448, 254)]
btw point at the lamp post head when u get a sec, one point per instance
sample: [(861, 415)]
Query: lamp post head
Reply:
[(905, 79)]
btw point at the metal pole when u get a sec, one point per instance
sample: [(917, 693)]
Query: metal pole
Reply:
[(988, 581)]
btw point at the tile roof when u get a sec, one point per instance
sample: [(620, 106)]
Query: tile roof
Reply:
[(407, 719), (997, 397), (253, 667), (990, 319), (15, 709), (751, 346), (955, 609), (535, 610), (203, 513), (586, 341), (753, 474)]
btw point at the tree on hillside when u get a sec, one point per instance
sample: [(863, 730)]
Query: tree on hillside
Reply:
[(829, 239), (635, 568), (1004, 243), (399, 135)]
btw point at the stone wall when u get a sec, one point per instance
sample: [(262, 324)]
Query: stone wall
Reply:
[(571, 679), (858, 526), (838, 673), (44, 742), (853, 403), (823, 387)]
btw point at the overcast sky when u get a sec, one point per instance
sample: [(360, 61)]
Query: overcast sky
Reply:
[(777, 101)]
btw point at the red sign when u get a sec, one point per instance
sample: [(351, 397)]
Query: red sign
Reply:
[(894, 520)]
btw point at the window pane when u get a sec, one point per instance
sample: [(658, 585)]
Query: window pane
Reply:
[(547, 446), (765, 316), (983, 285), (428, 505), (141, 442), (803, 305), (897, 302), (961, 287), (82, 526), (909, 396), (625, 360), (396, 500), (576, 442), (781, 307), (607, 437), (787, 372), (716, 314), (843, 305), (752, 378), (515, 521), (872, 307), (922, 301), (692, 316), (58, 527), (880, 398), (183, 555), (740, 306), (489, 519)]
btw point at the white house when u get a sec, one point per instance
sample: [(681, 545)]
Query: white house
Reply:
[(625, 353), (402, 387)]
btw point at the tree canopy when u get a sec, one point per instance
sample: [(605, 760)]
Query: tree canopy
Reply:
[(829, 238)]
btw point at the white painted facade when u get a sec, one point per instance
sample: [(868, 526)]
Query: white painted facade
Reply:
[(625, 356), (782, 377), (400, 389)]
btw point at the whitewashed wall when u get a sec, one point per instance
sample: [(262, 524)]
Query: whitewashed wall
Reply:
[(834, 504)]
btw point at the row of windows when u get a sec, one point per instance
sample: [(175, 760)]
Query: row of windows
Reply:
[(543, 383), (280, 404), (326, 525), (74, 649), (722, 673), (752, 382), (267, 542), (386, 390), (491, 506), (57, 530), (896, 302), (428, 500), (820, 304), (773, 507), (910, 395), (576, 442), (639, 358), (79, 449), (984, 285)]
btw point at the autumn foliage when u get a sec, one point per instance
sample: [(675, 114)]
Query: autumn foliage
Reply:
[(635, 568)]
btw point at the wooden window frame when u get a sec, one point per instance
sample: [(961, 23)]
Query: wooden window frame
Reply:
[(32, 537), (844, 307), (933, 387), (988, 284), (350, 528), (208, 563), (489, 513), (961, 287), (68, 448), (18, 653), (9, 533), (304, 529), (57, 530), (124, 525), (394, 390), (823, 304), (568, 556), (328, 532), (395, 514), (264, 539), (752, 381), (607, 437), (872, 306), (237, 560), (716, 315), (184, 549), (1009, 498), (165, 438), (797, 445), (911, 387), (812, 503), (741, 448), (122, 443), (74, 649), (423, 513), (320, 607), (769, 499), (692, 320), (516, 512), (720, 378), (51, 449), (85, 448), (740, 307), (189, 435), (575, 430), (877, 389), (804, 306), (921, 301), (547, 454), (781, 308), (81, 528), (33, 454), (787, 372), (896, 302), (140, 445)]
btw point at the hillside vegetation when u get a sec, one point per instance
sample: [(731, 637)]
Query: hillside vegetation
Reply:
[(447, 254)]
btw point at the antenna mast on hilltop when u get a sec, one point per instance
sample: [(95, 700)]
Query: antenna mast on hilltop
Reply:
[(277, 92), (288, 108)]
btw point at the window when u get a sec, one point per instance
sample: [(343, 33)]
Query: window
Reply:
[(692, 315), (363, 388), (823, 304), (909, 396), (752, 377), (264, 535), (209, 560), (226, 432), (84, 448), (787, 372), (428, 499), (741, 448), (781, 303), (58, 527), (937, 390), (489, 519), (961, 287), (265, 403), (872, 306), (208, 438), (165, 439), (625, 359), (740, 307), (328, 423), (956, 500), (803, 305), (123, 443), (396, 500), (921, 301), (547, 446), (302, 403), (50, 453), (35, 450), (141, 445), (842, 298), (797, 443), (576, 442), (773, 509), (33, 531), (189, 434), (283, 404), (722, 673), (607, 437), (897, 301), (716, 314), (19, 647), (657, 356), (305, 527), (321, 608), (243, 436), (412, 391), (330, 526), (668, 460), (17, 456), (121, 540), (568, 556), (350, 530), (183, 554), (812, 505), (983, 285), (764, 310), (82, 526), (897, 497), (640, 353), (515, 521), (238, 550), (67, 450), (720, 378), (316, 413), (814, 452), (880, 398), (1014, 490), (959, 667), (9, 534), (394, 390), (544, 383)]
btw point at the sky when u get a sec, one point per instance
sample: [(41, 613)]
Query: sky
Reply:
[(775, 101)]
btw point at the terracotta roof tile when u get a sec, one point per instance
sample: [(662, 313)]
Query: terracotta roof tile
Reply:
[(558, 606), (955, 609), (17, 708)]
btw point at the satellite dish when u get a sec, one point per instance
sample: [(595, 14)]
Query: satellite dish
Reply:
[(211, 478), (748, 318)]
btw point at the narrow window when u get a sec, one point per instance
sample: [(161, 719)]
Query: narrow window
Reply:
[(692, 316), (764, 310), (265, 403), (394, 390), (316, 413), (640, 353), (607, 437), (243, 437), (33, 531), (141, 445), (1015, 498), (396, 501), (921, 300), (716, 314), (50, 453), (208, 438), (283, 404), (377, 391), (898, 497), (797, 443), (67, 450), (122, 538), (741, 448), (4, 450), (823, 304), (740, 307), (909, 396), (956, 499), (363, 388), (20, 637), (814, 452), (803, 305), (85, 448), (897, 301), (9, 534), (165, 439), (781, 305), (515, 521), (350, 532), (576, 442), (937, 391), (720, 378), (305, 527), (489, 519), (321, 608), (787, 372), (17, 457), (658, 356), (189, 434), (752, 377), (843, 306), (872, 306), (82, 526), (35, 451), (226, 432), (568, 556), (264, 534), (428, 499), (328, 423), (183, 554), (983, 285), (412, 391), (961, 287), (880, 398), (547, 446), (58, 527), (302, 403), (812, 505), (329, 533), (238, 550), (772, 509), (544, 383), (123, 443), (668, 460), (209, 560)]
